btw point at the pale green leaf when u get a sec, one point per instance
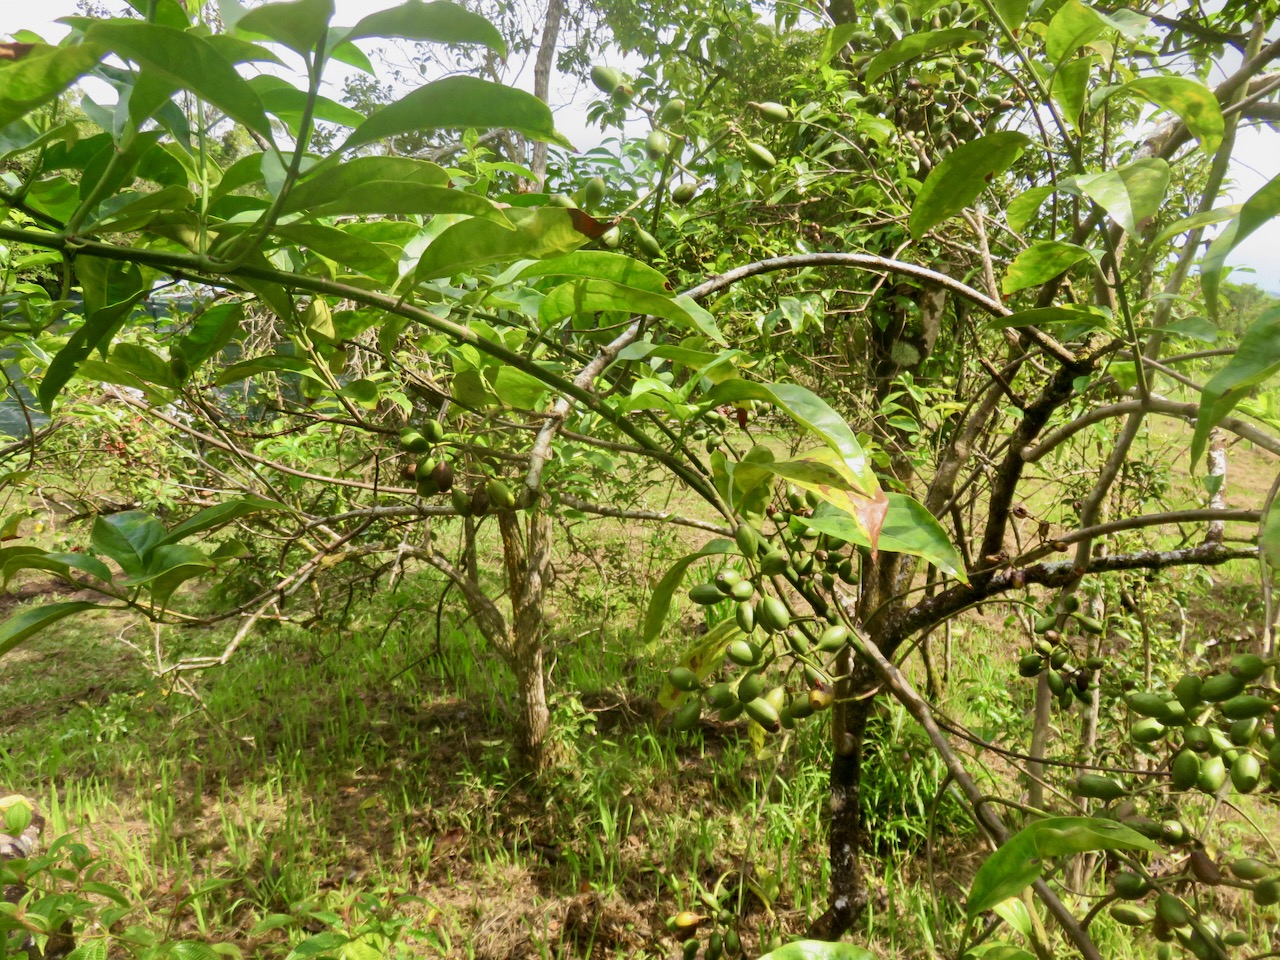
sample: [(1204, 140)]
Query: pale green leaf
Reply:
[(660, 602), (818, 950), (1024, 206), (1256, 359), (1131, 194), (1041, 262), (1257, 210), (958, 180), (1193, 102), (437, 22), (41, 75)]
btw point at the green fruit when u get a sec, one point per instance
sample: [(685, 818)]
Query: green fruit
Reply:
[(772, 615), (562, 200), (715, 947), (1273, 756), (1248, 868), (732, 712), (1248, 667), (743, 652), (1030, 665), (500, 494), (673, 110), (684, 193), (1147, 730), (1197, 738), (687, 715), (727, 579), (902, 14), (1185, 770), (682, 678), (705, 594), (800, 708), (1148, 705), (611, 238), (1088, 624), (833, 638), (846, 571), (1244, 732), (773, 563), (751, 686), (1187, 690), (1098, 787), (690, 949), (1174, 715), (1151, 829), (433, 430), (763, 712), (1130, 886), (1245, 705), (1246, 772), (759, 156), (1173, 831), (461, 501), (1095, 663), (607, 79), (1236, 938), (732, 942), (798, 642), (593, 193), (657, 145), (1213, 774), (745, 615), (1058, 659), (648, 243), (1045, 624), (720, 695), (1267, 893), (742, 590), (775, 112), (747, 539), (1222, 686), (1130, 915), (1172, 910), (413, 441), (1057, 685)]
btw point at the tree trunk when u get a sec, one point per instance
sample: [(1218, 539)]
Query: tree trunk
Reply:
[(542, 80), (527, 554)]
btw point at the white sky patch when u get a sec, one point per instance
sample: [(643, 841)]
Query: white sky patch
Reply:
[(1257, 259)]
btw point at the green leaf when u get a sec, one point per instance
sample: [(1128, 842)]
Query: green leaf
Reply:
[(1024, 206), (544, 232), (908, 528), (582, 297), (30, 622), (300, 25), (1073, 26), (1256, 359), (247, 368), (818, 950), (1042, 316), (41, 75), (1041, 262), (95, 333), (127, 538), (1257, 210), (213, 517), (1193, 328), (170, 566), (1069, 85), (958, 180), (341, 246), (1131, 194), (601, 265), (916, 45), (835, 40), (400, 199), (518, 389), (287, 104), (1019, 861), (1012, 12), (59, 563), (660, 602), (329, 182), (460, 103), (1193, 102), (1269, 541), (212, 330), (188, 61), (437, 22), (703, 657)]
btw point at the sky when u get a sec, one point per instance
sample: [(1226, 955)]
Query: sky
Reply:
[(1256, 158)]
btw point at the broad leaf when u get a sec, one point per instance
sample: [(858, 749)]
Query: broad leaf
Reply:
[(1025, 206), (601, 265), (1131, 194), (582, 297), (1256, 359), (127, 538), (1190, 99), (437, 22), (212, 517), (1083, 317), (170, 566), (907, 528), (460, 103), (1270, 538), (329, 184), (1069, 85), (916, 45), (61, 564), (188, 61), (704, 656), (660, 602), (1040, 263), (1019, 861), (212, 330), (41, 75), (958, 180), (1257, 210), (30, 622), (818, 950), (95, 333), (545, 232), (1074, 25), (300, 25)]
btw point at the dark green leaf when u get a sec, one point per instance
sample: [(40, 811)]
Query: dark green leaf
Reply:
[(41, 75), (170, 566), (212, 330), (958, 180), (1255, 360), (59, 563), (329, 182), (247, 368), (916, 45), (210, 518), (1257, 210), (30, 622), (342, 246), (660, 602), (1041, 262), (1043, 316), (437, 22), (460, 103), (95, 333), (127, 538), (188, 61)]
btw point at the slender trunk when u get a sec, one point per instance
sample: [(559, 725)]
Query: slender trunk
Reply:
[(542, 79), (527, 554)]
